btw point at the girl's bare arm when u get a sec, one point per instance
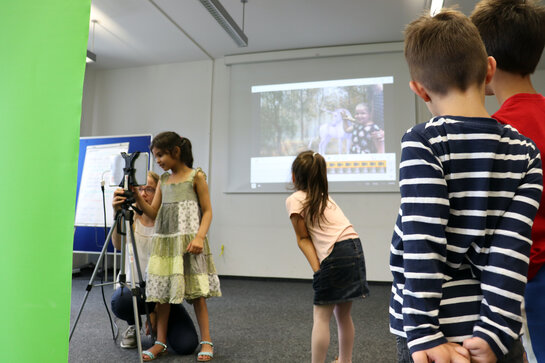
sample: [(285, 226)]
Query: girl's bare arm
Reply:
[(304, 241), (201, 187), (149, 210)]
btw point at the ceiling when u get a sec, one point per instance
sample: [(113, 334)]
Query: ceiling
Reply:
[(133, 33)]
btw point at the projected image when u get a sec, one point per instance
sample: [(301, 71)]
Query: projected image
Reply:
[(341, 119)]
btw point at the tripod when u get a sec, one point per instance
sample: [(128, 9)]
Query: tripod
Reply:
[(123, 221)]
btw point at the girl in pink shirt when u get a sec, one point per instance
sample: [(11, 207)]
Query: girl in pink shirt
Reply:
[(333, 250)]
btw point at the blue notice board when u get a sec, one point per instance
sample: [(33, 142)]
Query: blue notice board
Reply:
[(89, 233)]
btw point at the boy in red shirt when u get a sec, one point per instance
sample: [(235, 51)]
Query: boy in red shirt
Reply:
[(513, 32)]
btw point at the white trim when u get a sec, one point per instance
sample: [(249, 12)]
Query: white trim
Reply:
[(306, 53)]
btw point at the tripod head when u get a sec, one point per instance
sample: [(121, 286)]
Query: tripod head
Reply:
[(129, 179), (129, 170)]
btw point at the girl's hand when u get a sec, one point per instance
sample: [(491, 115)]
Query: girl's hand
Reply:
[(118, 199), (195, 247), (378, 135), (378, 140)]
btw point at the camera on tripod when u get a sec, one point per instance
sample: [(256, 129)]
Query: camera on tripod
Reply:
[(129, 170), (130, 199)]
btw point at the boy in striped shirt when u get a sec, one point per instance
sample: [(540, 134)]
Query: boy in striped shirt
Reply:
[(470, 188)]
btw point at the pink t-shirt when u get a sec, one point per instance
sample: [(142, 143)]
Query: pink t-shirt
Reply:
[(335, 227)]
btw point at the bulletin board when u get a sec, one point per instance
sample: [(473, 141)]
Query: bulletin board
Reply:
[(94, 163)]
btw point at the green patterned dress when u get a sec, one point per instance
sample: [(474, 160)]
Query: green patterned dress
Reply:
[(173, 273)]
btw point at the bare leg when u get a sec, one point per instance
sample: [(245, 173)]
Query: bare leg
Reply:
[(151, 325), (320, 332), (163, 311), (201, 311), (346, 331)]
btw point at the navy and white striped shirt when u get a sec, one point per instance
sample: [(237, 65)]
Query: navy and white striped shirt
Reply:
[(470, 189)]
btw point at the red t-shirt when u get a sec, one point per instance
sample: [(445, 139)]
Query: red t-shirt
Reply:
[(526, 113)]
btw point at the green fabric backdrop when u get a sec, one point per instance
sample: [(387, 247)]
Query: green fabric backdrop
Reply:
[(42, 65)]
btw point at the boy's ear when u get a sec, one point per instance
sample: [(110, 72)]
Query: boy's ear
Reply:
[(490, 69), (420, 91)]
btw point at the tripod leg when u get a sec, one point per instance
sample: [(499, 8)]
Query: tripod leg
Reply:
[(137, 322), (141, 279), (92, 279), (133, 260), (79, 314)]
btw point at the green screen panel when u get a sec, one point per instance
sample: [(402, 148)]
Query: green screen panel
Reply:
[(41, 71)]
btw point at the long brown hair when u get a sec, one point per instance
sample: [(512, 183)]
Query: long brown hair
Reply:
[(168, 140), (310, 175)]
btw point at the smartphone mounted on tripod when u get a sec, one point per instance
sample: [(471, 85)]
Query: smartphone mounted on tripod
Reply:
[(129, 170)]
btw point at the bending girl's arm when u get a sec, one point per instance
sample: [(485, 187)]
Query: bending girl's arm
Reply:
[(149, 210), (304, 241), (201, 188)]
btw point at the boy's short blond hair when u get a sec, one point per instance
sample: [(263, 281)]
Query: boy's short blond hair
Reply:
[(513, 32), (445, 52)]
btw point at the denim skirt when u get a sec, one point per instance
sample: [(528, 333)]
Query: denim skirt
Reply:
[(341, 276)]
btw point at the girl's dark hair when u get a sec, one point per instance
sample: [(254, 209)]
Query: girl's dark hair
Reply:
[(310, 175), (167, 141)]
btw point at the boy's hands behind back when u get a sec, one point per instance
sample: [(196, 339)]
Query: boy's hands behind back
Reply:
[(474, 350), (444, 353), (480, 350)]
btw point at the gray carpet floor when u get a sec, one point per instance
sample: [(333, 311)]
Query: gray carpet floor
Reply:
[(256, 320)]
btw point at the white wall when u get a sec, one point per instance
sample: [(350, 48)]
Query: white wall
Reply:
[(148, 100), (254, 230)]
